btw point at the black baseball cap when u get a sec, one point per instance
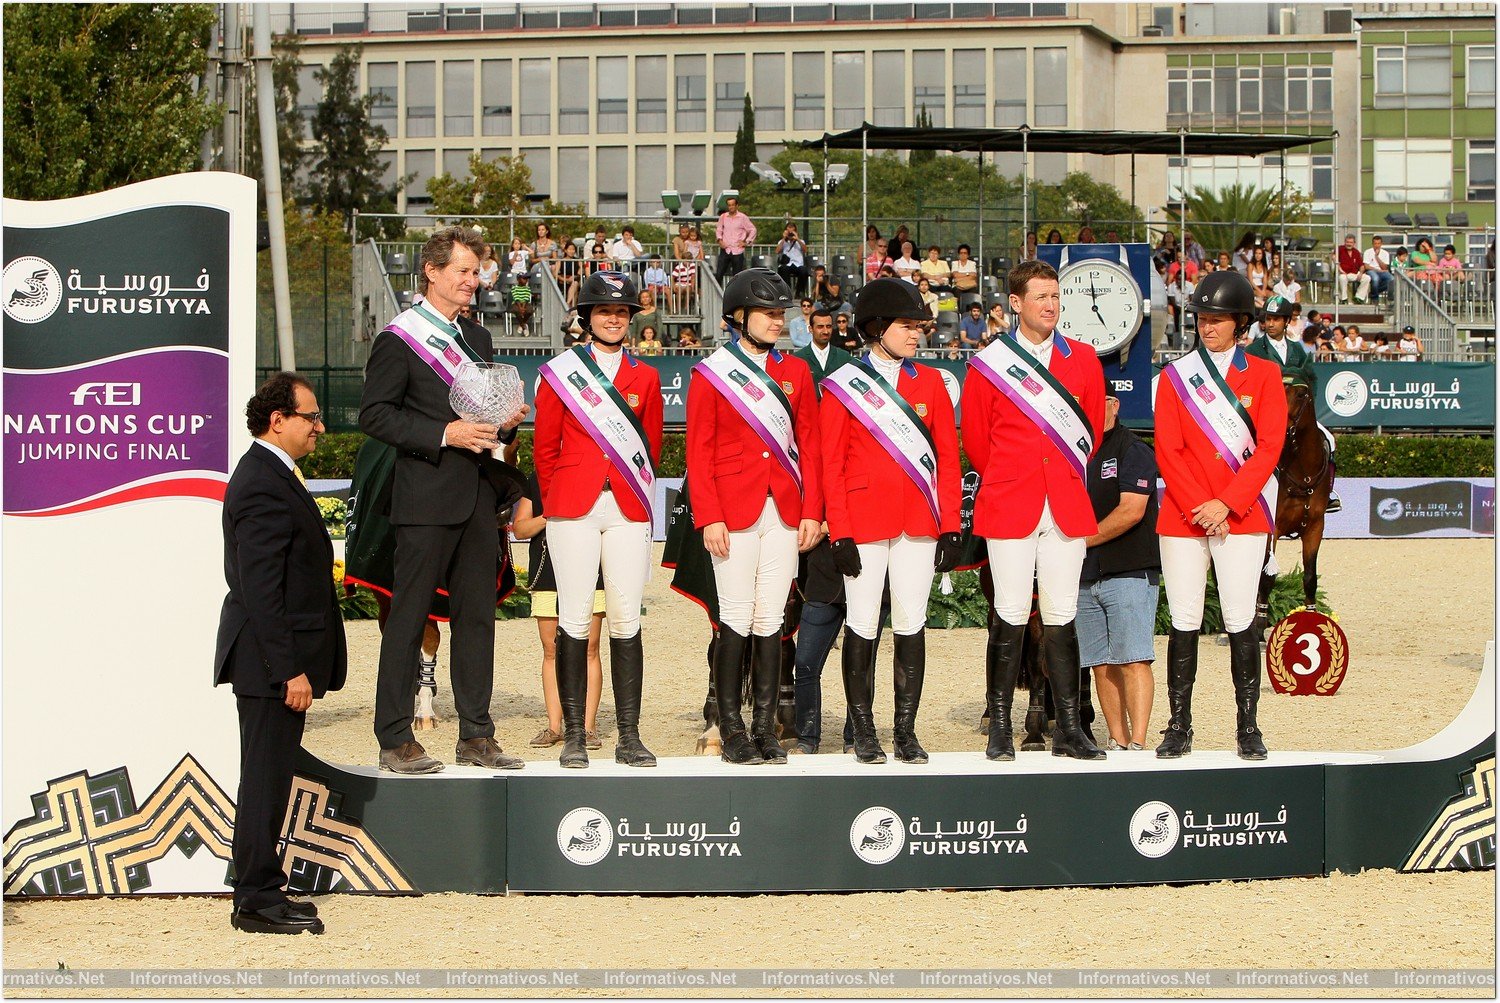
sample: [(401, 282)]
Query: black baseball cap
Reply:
[(1408, 329)]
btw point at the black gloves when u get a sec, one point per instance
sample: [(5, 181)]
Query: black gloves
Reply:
[(846, 557), (949, 549)]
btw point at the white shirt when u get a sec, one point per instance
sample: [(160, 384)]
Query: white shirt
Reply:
[(889, 369), (1378, 260), (1278, 345), (761, 359), (625, 250), (1287, 291), (1041, 353), (609, 362), (821, 354), (279, 453), (1222, 359)]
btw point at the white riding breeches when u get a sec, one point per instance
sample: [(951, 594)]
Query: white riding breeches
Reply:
[(756, 578), (1237, 560), (580, 547), (1052, 558), (908, 561), (1328, 438)]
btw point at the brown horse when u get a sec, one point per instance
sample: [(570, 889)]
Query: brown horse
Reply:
[(1304, 476)]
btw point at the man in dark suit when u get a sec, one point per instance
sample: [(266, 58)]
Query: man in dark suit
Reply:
[(448, 492), (281, 638)]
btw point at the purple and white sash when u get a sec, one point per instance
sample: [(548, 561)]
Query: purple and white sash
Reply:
[(605, 415), (435, 341), (758, 399), (1040, 396), (1220, 416), (893, 422)]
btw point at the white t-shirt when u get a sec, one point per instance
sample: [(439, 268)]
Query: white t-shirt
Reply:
[(1287, 291), (1379, 260)]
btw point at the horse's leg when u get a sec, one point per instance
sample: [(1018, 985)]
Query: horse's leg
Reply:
[(424, 717), (786, 706), (1311, 539), (709, 743)]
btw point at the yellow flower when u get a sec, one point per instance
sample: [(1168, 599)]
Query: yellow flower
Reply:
[(338, 572)]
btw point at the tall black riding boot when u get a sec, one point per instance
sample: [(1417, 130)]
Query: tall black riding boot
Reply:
[(626, 669), (1060, 645), (765, 686), (729, 676), (1002, 667), (908, 669), (572, 663), (859, 681), (1244, 669), (1182, 670)]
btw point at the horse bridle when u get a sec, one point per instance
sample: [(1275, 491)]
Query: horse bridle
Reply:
[(1304, 487)]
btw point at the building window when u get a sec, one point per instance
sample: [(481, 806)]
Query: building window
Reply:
[(536, 97), (769, 95), (1296, 90), (692, 93), (1322, 181), (309, 94), (729, 91), (1322, 92), (808, 99), (968, 88), (1201, 93), (573, 95), (381, 83), (458, 97), (723, 165), (572, 177), (539, 159), (1419, 76), (456, 163), (494, 94), (651, 94), (1413, 170), (421, 100), (689, 170), (1225, 83), (848, 90), (1010, 88), (612, 196), (929, 86), (889, 90), (1250, 90), (650, 178), (419, 164), (1051, 72), (1481, 76), (1482, 169), (613, 111)]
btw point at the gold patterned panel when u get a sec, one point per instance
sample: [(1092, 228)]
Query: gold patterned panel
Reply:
[(1463, 835)]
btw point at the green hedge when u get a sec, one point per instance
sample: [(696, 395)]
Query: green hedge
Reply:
[(1359, 455)]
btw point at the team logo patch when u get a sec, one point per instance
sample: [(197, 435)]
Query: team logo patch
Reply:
[(634, 399), (612, 281), (1110, 468), (922, 410), (1246, 399), (786, 385)]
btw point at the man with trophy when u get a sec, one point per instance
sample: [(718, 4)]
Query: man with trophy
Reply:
[(432, 393)]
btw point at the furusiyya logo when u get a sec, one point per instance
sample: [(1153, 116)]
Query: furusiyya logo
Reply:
[(1346, 393), (1156, 830), (32, 289), (878, 835), (586, 836)]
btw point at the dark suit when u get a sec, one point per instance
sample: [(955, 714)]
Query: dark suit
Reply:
[(443, 506), (280, 620), (1298, 364), (836, 357)]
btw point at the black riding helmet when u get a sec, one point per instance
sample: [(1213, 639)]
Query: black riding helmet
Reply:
[(887, 299), (1225, 292), (1277, 306), (757, 287), (603, 288)]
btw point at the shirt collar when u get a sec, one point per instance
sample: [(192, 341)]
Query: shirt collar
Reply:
[(907, 366), (278, 452), (627, 357), (735, 334)]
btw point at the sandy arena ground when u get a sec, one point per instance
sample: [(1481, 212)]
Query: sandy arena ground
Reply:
[(1417, 613)]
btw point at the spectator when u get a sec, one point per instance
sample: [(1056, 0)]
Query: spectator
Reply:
[(964, 272), (1288, 288), (1402, 262), (649, 343), (627, 248), (1166, 251), (489, 268), (1177, 264), (1209, 265), (519, 257), (567, 271), (929, 298), (1120, 581), (1192, 250), (598, 259), (1382, 350), (843, 336), (1178, 293), (1410, 346), (878, 258), (1294, 328), (872, 238), (1450, 266), (684, 286), (1243, 252), (996, 322), (688, 338), (680, 242), (1338, 345), (1225, 262), (935, 268), (1378, 268), (694, 244), (1312, 331), (1054, 236), (830, 293), (646, 316), (907, 266), (520, 301), (1355, 344), (1352, 269), (735, 232), (656, 280), (898, 239), (799, 326), (1424, 262), (1029, 254), (1489, 258), (972, 331), (1086, 235), (887, 271), (544, 248), (791, 259), (1259, 275)]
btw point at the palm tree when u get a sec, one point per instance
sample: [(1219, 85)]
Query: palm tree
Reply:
[(1222, 218)]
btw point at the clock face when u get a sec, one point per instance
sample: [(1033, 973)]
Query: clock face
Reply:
[(1101, 304)]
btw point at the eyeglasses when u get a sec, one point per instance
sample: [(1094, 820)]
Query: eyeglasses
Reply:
[(313, 417)]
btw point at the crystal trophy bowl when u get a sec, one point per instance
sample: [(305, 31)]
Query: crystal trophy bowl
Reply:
[(487, 392)]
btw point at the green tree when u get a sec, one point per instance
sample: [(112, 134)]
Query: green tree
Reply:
[(920, 157), (1081, 201), (740, 175), (102, 95), (1220, 219), (346, 172), (286, 64), (496, 187)]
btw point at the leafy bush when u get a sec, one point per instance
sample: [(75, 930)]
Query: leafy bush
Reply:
[(517, 605), (334, 457), (963, 606)]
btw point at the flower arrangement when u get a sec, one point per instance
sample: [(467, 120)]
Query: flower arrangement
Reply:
[(335, 514)]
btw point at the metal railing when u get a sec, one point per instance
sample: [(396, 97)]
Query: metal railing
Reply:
[(374, 296), (1414, 306)]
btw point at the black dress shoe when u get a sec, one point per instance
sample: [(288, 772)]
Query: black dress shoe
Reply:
[(279, 918), (302, 908)]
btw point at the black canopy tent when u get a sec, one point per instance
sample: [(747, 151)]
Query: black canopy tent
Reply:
[(1104, 142)]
